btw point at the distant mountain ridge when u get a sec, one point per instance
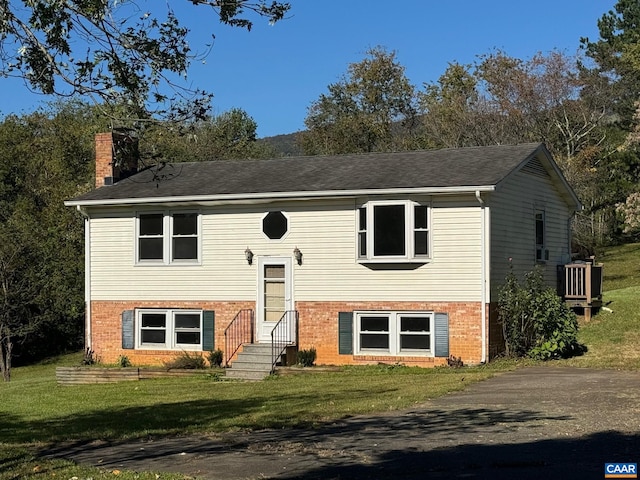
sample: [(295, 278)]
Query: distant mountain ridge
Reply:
[(285, 144)]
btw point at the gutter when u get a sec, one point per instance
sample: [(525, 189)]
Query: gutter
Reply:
[(87, 276), (483, 273), (249, 198)]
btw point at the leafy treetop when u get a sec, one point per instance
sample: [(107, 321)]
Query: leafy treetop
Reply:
[(114, 51)]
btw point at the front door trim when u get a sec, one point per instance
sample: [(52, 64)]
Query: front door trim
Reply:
[(263, 327)]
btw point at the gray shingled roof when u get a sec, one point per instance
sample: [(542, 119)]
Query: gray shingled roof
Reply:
[(426, 169)]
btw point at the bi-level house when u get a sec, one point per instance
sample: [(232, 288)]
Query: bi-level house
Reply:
[(380, 257)]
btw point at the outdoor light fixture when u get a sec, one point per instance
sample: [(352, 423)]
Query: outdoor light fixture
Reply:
[(248, 254), (298, 255)]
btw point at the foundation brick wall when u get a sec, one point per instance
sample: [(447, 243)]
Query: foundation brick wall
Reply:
[(106, 328), (318, 329)]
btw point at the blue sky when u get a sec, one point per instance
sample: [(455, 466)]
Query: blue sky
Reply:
[(275, 72)]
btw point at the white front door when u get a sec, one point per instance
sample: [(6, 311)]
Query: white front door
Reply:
[(275, 294)]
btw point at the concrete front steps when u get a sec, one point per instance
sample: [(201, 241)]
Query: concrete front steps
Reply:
[(252, 363)]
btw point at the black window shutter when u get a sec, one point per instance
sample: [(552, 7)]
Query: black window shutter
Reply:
[(208, 323), (128, 338), (345, 333), (442, 334)]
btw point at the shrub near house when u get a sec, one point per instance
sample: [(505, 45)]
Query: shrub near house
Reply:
[(535, 320)]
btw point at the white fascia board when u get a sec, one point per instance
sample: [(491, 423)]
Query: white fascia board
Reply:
[(271, 196)]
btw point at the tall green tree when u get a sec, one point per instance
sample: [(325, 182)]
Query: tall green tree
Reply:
[(372, 108), (232, 135), (614, 71), (616, 58), (452, 107), (45, 158)]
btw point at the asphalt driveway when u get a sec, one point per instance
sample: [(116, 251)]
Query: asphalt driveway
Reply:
[(532, 423)]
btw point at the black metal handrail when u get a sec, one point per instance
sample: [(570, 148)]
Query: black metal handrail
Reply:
[(238, 332), (283, 335)]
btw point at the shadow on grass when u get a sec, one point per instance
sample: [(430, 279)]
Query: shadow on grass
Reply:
[(533, 423), (253, 412), (435, 443)]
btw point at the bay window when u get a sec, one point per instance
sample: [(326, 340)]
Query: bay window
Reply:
[(393, 231)]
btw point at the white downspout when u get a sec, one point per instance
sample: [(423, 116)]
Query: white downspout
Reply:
[(87, 276), (484, 229)]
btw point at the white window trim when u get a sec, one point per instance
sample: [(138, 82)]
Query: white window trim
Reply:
[(170, 337), (167, 236), (541, 254), (286, 234), (410, 229), (394, 333)]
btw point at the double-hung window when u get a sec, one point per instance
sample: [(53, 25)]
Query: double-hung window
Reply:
[(168, 237), (184, 236), (392, 231), (169, 329), (394, 333), (151, 237)]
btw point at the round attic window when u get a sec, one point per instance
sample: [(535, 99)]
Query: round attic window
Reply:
[(275, 225)]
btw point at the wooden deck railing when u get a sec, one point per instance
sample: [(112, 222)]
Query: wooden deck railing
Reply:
[(581, 285), (582, 281)]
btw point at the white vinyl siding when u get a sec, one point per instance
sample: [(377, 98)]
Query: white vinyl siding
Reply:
[(325, 233), (513, 227)]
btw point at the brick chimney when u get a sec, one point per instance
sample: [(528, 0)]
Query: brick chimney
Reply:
[(116, 157)]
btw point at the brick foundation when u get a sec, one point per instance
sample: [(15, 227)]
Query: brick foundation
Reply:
[(318, 329), (106, 329)]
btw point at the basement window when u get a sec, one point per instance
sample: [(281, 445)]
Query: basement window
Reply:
[(169, 329), (394, 333)]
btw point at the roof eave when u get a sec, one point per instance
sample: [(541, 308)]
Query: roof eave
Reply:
[(271, 196)]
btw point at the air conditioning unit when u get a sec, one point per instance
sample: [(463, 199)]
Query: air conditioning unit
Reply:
[(542, 254)]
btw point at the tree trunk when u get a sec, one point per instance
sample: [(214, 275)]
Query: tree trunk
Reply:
[(5, 358)]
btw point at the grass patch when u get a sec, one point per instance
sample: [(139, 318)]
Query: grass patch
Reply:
[(612, 337), (19, 463), (36, 411), (621, 266), (613, 334)]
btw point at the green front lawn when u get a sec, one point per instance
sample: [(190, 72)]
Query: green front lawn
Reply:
[(35, 410)]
